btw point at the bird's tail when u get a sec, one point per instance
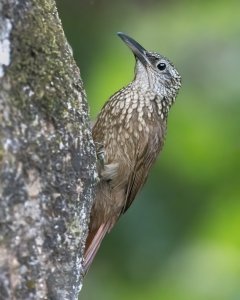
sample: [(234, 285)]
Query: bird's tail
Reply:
[(93, 243)]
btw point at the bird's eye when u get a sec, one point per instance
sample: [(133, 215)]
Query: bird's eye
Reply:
[(161, 66)]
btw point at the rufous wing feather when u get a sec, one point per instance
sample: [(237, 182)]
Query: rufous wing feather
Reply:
[(92, 245)]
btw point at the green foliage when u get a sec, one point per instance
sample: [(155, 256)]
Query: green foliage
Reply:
[(180, 240)]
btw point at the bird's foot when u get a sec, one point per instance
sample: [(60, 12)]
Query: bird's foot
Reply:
[(100, 151)]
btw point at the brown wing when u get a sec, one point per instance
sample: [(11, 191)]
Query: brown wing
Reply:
[(146, 156)]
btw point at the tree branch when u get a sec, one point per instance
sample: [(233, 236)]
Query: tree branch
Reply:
[(47, 156)]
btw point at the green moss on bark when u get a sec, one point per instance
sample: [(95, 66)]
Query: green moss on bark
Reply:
[(45, 60)]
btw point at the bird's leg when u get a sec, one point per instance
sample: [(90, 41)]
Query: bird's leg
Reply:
[(105, 171), (100, 151)]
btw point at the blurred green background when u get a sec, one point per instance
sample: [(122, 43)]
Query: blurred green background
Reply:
[(181, 238)]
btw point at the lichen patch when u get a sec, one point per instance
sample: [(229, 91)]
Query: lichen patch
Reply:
[(4, 44)]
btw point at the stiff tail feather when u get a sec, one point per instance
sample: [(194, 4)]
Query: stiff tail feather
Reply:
[(93, 243)]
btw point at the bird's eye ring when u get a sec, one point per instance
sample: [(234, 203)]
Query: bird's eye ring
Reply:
[(161, 66)]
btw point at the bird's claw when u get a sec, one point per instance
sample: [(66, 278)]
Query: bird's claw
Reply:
[(100, 152)]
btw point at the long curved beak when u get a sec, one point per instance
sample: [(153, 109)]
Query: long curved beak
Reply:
[(136, 48)]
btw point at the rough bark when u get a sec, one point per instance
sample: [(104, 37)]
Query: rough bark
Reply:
[(47, 157)]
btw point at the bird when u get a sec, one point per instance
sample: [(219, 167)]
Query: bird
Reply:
[(129, 133)]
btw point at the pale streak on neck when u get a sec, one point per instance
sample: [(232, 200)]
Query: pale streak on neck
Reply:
[(141, 80)]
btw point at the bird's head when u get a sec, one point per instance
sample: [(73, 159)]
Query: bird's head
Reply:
[(153, 71)]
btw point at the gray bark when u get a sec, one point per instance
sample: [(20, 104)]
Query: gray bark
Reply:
[(47, 157)]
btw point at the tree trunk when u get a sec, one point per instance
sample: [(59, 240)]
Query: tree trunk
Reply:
[(47, 156)]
